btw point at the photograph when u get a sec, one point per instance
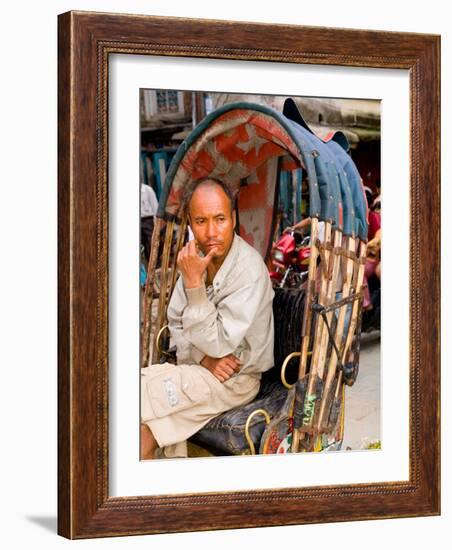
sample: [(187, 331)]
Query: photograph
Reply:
[(260, 238)]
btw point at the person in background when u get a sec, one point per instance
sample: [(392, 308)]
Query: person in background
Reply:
[(372, 266), (148, 210)]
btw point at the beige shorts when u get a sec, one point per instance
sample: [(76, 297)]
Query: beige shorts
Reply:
[(178, 400)]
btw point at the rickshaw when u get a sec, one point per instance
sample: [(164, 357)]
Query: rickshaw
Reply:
[(300, 404)]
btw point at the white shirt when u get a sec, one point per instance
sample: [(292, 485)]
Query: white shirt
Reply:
[(233, 315), (149, 203)]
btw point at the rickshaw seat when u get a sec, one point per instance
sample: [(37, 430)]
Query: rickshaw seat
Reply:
[(225, 434)]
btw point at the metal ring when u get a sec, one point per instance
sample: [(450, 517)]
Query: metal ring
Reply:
[(284, 366), (157, 341), (247, 427)]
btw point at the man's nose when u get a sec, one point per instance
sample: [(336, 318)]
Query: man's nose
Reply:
[(211, 228)]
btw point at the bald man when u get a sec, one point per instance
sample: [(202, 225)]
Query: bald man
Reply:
[(221, 321)]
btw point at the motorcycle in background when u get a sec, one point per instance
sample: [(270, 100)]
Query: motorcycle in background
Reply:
[(289, 269), (290, 260)]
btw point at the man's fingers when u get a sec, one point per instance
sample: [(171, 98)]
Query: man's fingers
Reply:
[(218, 376), (179, 258), (234, 362), (223, 376), (223, 368), (226, 368), (191, 247), (226, 362), (210, 254), (183, 252)]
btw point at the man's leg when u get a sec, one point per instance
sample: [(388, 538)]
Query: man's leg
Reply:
[(148, 444)]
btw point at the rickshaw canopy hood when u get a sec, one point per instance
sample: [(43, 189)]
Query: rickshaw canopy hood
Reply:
[(247, 142)]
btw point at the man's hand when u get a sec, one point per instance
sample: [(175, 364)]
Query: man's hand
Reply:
[(222, 368), (192, 265)]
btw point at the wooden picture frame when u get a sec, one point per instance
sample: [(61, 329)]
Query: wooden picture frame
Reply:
[(85, 42)]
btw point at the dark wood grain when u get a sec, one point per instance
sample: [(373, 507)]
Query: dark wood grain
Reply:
[(85, 42), (64, 295)]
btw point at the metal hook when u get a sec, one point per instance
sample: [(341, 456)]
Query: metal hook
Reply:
[(247, 427)]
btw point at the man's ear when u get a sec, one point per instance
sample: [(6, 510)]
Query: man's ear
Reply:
[(234, 219)]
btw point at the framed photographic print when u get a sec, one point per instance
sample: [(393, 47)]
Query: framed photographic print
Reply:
[(132, 89), (235, 136)]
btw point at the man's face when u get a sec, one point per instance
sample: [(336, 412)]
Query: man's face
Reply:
[(211, 220)]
